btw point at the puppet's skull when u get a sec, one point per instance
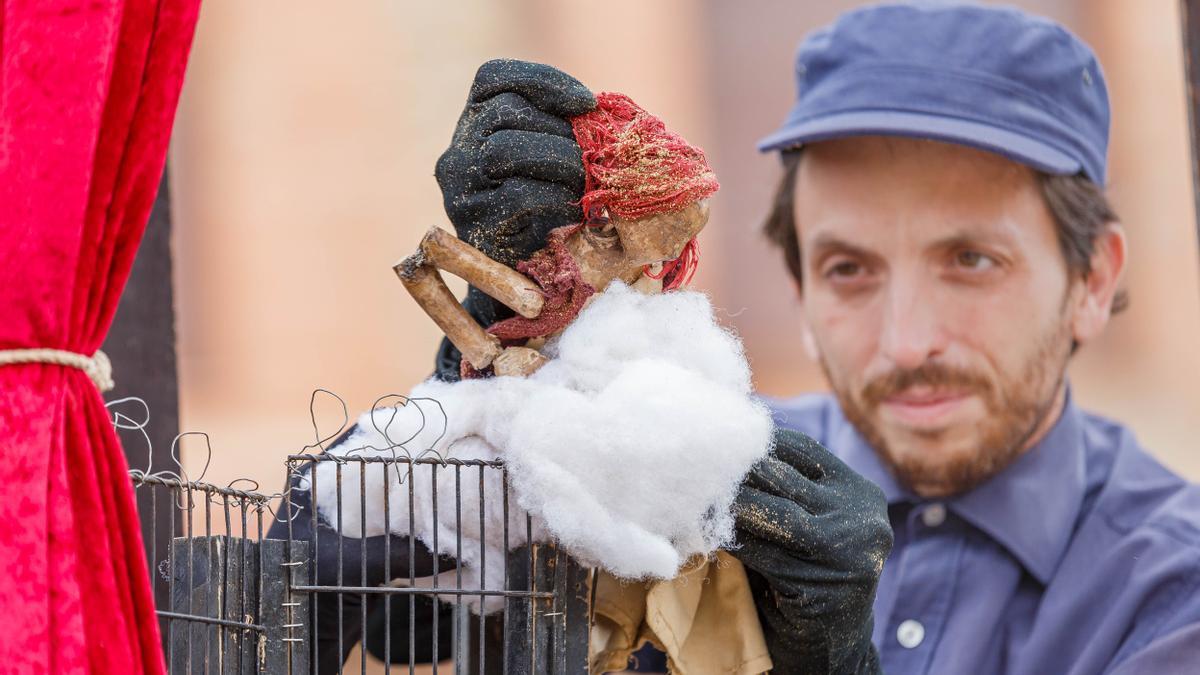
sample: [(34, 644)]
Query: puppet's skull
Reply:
[(621, 249), (660, 237)]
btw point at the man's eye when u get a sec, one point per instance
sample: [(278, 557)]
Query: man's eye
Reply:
[(843, 270), (973, 260)]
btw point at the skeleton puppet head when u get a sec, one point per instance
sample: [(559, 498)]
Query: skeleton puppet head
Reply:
[(646, 187)]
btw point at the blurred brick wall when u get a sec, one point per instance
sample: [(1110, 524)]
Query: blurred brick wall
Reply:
[(303, 162)]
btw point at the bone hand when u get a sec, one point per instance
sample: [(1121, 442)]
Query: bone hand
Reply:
[(429, 290), (447, 252), (518, 361)]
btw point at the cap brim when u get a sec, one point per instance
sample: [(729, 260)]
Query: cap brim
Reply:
[(1015, 146)]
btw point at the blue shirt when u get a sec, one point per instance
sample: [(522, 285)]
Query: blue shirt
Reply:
[(1082, 557)]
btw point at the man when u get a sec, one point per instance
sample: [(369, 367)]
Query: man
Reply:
[(943, 217)]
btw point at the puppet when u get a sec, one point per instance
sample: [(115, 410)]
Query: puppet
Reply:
[(645, 201), (623, 414)]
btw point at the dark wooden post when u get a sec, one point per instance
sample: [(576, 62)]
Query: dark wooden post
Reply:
[(141, 345), (548, 636), (1189, 12)]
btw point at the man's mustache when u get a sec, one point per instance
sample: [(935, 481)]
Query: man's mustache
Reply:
[(932, 375)]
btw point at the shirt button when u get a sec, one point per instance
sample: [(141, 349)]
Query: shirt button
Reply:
[(910, 634), (934, 515)]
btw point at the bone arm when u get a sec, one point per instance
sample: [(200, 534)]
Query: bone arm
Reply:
[(449, 253), (426, 286)]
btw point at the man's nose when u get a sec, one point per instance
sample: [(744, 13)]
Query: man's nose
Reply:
[(911, 327)]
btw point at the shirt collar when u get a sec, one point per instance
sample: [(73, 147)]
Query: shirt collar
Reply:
[(1030, 508)]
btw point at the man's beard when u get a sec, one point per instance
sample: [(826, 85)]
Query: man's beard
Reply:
[(1015, 410)]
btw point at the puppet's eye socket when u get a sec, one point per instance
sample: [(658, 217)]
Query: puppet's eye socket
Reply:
[(603, 234), (597, 218)]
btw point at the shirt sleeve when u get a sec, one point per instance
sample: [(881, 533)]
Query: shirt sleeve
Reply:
[(808, 414), (1175, 652), (1175, 643)]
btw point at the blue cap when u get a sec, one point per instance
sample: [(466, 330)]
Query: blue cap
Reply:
[(988, 77)]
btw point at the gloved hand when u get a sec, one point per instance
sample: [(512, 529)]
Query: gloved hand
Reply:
[(513, 171), (337, 620), (813, 535)]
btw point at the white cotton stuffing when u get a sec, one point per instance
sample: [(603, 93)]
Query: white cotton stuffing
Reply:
[(415, 430), (627, 447)]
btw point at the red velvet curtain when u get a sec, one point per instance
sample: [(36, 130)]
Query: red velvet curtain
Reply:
[(88, 90)]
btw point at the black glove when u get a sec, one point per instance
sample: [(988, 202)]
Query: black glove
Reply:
[(813, 535), (513, 171), (341, 618)]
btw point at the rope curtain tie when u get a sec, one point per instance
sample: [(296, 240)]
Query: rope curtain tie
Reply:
[(97, 366)]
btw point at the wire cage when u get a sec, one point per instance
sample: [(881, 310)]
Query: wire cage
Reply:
[(247, 582), (216, 608)]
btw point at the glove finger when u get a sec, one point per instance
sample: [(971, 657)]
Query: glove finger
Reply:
[(515, 198), (520, 214), (813, 459), (837, 482), (509, 154), (458, 169), (762, 556), (776, 477), (457, 173), (805, 454), (793, 574), (775, 519), (824, 547), (546, 87), (513, 111)]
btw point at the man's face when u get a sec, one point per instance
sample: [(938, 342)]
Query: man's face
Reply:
[(937, 300)]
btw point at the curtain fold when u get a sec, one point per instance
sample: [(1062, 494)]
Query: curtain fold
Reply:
[(88, 91)]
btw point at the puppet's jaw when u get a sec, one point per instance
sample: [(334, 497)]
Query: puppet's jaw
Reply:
[(651, 280)]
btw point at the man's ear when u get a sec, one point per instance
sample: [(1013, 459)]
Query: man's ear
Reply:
[(1093, 306)]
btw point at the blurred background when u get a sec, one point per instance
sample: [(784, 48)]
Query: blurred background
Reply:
[(302, 169)]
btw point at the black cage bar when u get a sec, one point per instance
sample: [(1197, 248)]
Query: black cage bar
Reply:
[(238, 601)]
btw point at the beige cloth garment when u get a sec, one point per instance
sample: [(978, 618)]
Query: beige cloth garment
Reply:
[(704, 619)]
